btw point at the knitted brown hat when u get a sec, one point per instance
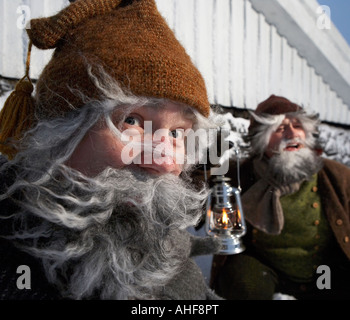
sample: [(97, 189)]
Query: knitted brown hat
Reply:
[(274, 105), (133, 43), (129, 39)]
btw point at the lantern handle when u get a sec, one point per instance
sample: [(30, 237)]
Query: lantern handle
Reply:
[(238, 170)]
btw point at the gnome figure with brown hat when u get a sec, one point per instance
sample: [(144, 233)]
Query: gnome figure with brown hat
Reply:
[(297, 207), (95, 185)]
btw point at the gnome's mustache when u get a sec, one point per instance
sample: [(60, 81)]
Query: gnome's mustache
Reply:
[(294, 143)]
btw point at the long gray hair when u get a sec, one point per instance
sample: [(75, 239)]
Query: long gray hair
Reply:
[(113, 236)]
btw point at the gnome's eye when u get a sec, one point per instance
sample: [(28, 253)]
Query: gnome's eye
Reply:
[(177, 134), (133, 121), (280, 129), (297, 125)]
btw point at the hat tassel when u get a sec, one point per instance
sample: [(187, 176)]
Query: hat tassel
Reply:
[(17, 114)]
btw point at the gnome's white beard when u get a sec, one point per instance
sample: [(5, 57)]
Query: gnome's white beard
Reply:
[(117, 236), (294, 166)]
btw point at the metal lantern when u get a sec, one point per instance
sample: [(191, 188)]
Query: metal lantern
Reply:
[(225, 219)]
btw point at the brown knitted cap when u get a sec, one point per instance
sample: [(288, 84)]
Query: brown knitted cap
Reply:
[(132, 42), (274, 105)]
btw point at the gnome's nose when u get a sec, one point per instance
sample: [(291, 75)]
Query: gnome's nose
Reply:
[(162, 160)]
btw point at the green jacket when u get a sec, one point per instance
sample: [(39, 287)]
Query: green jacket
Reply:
[(334, 189)]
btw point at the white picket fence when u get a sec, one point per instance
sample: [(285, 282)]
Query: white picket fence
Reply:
[(245, 49)]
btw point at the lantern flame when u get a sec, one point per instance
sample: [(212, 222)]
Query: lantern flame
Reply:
[(224, 218)]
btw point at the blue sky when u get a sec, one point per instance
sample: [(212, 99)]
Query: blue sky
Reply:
[(340, 15)]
